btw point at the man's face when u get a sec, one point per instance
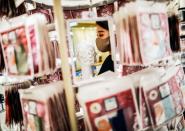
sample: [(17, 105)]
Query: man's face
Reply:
[(101, 32)]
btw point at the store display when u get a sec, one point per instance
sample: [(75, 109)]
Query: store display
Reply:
[(143, 33), (109, 109), (164, 99), (16, 51), (150, 103), (13, 104), (42, 57), (12, 96), (136, 83), (22, 44), (38, 110)]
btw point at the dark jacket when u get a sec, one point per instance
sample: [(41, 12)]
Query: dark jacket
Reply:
[(108, 65)]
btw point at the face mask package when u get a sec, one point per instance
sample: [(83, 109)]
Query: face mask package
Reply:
[(164, 97), (26, 47), (142, 33), (107, 108), (133, 102), (45, 112)]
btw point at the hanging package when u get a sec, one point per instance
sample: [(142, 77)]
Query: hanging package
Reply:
[(45, 111), (143, 32), (134, 102), (26, 47)]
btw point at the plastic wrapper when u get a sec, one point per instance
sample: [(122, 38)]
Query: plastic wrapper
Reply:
[(45, 112), (134, 102), (143, 33), (26, 47)]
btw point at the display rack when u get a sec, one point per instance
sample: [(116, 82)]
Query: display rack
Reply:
[(74, 4), (65, 65)]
